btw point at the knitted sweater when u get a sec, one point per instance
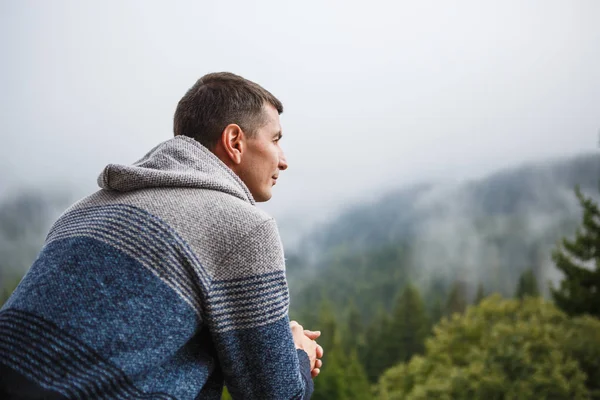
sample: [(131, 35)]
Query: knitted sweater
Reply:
[(164, 284)]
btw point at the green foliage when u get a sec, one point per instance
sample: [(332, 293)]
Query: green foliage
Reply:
[(342, 376), (457, 299), (396, 337), (480, 294), (376, 358), (579, 260), (502, 349), (329, 327), (357, 384), (527, 285), (583, 343), (369, 279), (409, 326), (330, 384), (353, 337), (436, 307)]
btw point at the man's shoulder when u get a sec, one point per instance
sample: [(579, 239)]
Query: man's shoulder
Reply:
[(211, 222), (183, 203)]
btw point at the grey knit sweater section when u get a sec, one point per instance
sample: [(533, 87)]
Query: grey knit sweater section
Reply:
[(218, 221)]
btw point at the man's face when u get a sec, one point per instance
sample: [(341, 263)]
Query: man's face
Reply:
[(263, 158)]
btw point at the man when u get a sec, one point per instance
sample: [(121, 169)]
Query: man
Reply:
[(169, 281)]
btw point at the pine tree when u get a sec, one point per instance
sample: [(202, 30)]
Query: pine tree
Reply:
[(342, 377), (437, 308), (374, 360), (330, 382), (357, 384), (527, 285), (457, 300), (353, 338), (579, 261), (480, 294), (408, 328), (327, 325)]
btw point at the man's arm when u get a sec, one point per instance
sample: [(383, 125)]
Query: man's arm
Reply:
[(248, 317)]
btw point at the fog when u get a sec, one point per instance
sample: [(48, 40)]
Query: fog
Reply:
[(452, 244), (376, 94)]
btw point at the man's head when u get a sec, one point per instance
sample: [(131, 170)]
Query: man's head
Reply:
[(237, 120)]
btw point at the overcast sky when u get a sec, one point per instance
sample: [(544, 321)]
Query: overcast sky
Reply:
[(376, 94)]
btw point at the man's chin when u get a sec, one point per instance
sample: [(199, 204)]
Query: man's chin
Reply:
[(262, 197)]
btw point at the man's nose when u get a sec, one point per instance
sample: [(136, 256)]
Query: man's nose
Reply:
[(283, 165)]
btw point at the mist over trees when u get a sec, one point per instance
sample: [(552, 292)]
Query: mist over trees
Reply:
[(25, 218)]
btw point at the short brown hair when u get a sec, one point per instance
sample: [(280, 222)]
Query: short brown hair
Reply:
[(220, 99)]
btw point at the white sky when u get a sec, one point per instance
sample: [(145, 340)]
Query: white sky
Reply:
[(376, 94)]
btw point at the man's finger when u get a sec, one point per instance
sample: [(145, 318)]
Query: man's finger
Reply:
[(318, 364), (295, 325), (319, 351), (312, 334), (315, 372)]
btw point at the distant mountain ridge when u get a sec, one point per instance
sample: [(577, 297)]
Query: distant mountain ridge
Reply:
[(487, 231), (540, 187)]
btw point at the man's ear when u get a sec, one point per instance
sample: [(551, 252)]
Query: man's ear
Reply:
[(232, 143)]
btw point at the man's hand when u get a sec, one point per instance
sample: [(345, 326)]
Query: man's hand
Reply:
[(305, 340), (313, 335)]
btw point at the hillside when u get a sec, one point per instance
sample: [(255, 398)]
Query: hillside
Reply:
[(487, 231)]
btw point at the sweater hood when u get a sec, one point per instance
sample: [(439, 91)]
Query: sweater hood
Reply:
[(177, 162)]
